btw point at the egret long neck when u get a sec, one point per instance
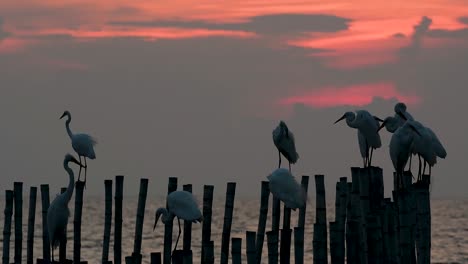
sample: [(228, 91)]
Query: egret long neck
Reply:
[(68, 193), (67, 125), (351, 120), (165, 215)]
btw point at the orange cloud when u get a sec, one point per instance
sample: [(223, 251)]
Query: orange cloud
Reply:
[(355, 95)]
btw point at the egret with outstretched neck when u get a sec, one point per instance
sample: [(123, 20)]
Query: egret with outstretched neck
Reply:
[(58, 212), (283, 139), (180, 204), (83, 144)]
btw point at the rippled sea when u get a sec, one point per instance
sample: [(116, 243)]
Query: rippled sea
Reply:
[(449, 229)]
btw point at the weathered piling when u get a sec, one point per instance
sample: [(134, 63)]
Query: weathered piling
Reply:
[(298, 245), (424, 220), (353, 222), (320, 226), (77, 221), (340, 219), (376, 189), (171, 187), (177, 257), (276, 214), (334, 242), (264, 196), (107, 220), (31, 222), (403, 200), (18, 203), (187, 240), (155, 258), (7, 226), (208, 256), (374, 238), (228, 210), (206, 224), (236, 250), (118, 219), (45, 232), (364, 181), (285, 242), (272, 241), (385, 220), (63, 241), (136, 255), (250, 247), (302, 211)]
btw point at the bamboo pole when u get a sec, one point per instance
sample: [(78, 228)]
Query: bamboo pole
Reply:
[(250, 247), (385, 219), (404, 220), (264, 197), (374, 236), (31, 221), (424, 220), (207, 212), (107, 220), (155, 258), (334, 242), (320, 226), (298, 245), (276, 214), (353, 225), (285, 242), (7, 226), (228, 211), (272, 240), (178, 256), (364, 183), (376, 196), (77, 221), (341, 219), (209, 252), (236, 250), (118, 219), (136, 255), (18, 204), (63, 241), (171, 187), (45, 232), (302, 210), (187, 242)]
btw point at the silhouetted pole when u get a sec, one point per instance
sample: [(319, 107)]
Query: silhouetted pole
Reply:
[(424, 220), (276, 214), (155, 258), (299, 230), (236, 250), (107, 220), (302, 211), (171, 187), (187, 242), (139, 221), (209, 252), (250, 247), (31, 222), (45, 232), (228, 210), (206, 224), (118, 219), (264, 196), (7, 226), (320, 226), (77, 221), (334, 242), (285, 243), (63, 241), (364, 180), (404, 220), (374, 237), (341, 219), (272, 240), (18, 203), (353, 224)]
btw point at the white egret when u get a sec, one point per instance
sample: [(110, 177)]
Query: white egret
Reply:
[(284, 186), (400, 146), (284, 142), (83, 144), (181, 204), (368, 136), (58, 213), (401, 114)]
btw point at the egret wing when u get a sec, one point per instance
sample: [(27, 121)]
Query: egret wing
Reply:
[(183, 205)]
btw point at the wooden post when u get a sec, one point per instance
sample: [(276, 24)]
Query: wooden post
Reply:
[(31, 222), (155, 258), (18, 203), (353, 225), (177, 257), (207, 212), (209, 252), (299, 245), (374, 237), (45, 232), (139, 220), (236, 250), (171, 187), (187, 242), (272, 240), (265, 195), (364, 181), (118, 219), (341, 220), (7, 226), (334, 242), (376, 195), (285, 242), (63, 241), (404, 220), (250, 247), (385, 220), (107, 220), (276, 214), (77, 221), (320, 226), (424, 220), (302, 211), (228, 210)]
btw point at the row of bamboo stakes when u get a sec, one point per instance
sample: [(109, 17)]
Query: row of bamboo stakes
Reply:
[(368, 228)]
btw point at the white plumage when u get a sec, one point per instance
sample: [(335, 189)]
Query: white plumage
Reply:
[(58, 212), (83, 144), (283, 139), (180, 204), (284, 186)]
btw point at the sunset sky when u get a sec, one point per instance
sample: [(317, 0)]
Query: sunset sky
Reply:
[(193, 89)]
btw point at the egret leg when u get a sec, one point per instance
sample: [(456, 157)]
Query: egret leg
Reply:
[(424, 170), (279, 162), (85, 170), (410, 158), (364, 161), (177, 241), (419, 171), (370, 160), (289, 166), (79, 173)]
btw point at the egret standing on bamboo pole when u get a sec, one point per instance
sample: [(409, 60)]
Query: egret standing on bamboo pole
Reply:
[(368, 136), (181, 204), (284, 142), (83, 144), (285, 187), (58, 212)]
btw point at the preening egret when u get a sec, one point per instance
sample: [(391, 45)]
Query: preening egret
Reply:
[(181, 204), (83, 144), (401, 114), (368, 136), (58, 213), (284, 142), (285, 187), (400, 146)]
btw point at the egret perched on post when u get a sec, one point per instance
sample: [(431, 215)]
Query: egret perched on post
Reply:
[(400, 146), (181, 204), (284, 186), (58, 213), (368, 136), (83, 144), (401, 114), (284, 142)]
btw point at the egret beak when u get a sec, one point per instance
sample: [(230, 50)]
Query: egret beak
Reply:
[(74, 160), (64, 114), (402, 116), (341, 118), (156, 220), (382, 125), (414, 129), (378, 119)]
